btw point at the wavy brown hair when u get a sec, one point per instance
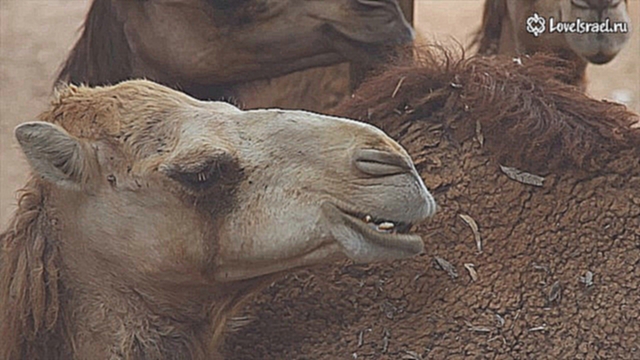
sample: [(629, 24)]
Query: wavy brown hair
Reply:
[(30, 287)]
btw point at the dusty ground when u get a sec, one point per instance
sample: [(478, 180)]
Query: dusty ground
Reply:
[(35, 36)]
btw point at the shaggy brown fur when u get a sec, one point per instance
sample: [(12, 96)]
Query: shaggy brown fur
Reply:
[(29, 278), (565, 129), (531, 299)]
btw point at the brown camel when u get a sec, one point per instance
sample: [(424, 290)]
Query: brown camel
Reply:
[(542, 265), (151, 216), (504, 31), (222, 49)]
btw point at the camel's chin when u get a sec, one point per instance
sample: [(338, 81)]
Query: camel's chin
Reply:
[(594, 52), (600, 58), (364, 241), (324, 252)]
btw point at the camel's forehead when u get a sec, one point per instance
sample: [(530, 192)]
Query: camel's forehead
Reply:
[(150, 119), (136, 106), (315, 129), (140, 118)]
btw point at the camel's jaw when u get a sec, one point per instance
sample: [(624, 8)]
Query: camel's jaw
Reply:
[(339, 233), (359, 50), (368, 238)]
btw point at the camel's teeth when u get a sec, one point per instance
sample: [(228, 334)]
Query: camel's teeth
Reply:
[(367, 219), (386, 226)]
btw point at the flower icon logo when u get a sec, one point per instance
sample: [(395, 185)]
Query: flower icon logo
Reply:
[(535, 24)]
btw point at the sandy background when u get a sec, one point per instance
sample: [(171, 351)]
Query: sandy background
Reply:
[(35, 36)]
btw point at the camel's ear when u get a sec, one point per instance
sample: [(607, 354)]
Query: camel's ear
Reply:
[(52, 153)]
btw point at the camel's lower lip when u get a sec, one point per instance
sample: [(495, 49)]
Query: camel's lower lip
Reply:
[(359, 51), (600, 58), (364, 241)]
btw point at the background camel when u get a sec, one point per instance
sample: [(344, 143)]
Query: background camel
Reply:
[(504, 24), (542, 264), (152, 215), (216, 49)]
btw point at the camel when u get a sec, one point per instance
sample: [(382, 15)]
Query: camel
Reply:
[(504, 31), (151, 216), (280, 53), (534, 252)]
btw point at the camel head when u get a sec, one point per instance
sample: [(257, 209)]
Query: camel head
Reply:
[(504, 30), (147, 182), (596, 48), (224, 41), (593, 47)]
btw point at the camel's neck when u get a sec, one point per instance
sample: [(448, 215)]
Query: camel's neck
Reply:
[(120, 322), (578, 76), (318, 89), (110, 311), (124, 323), (112, 321)]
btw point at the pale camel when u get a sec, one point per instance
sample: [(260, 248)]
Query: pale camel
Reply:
[(151, 216), (504, 31), (221, 49)]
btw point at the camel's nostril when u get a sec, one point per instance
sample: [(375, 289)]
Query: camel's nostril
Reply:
[(381, 163)]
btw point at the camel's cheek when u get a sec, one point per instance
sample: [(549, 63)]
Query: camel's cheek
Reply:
[(268, 234), (152, 233)]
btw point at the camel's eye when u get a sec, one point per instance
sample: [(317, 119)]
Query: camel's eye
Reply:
[(199, 179), (195, 177), (221, 169)]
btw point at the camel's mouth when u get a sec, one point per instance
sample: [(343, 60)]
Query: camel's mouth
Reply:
[(358, 50), (368, 237), (384, 226)]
